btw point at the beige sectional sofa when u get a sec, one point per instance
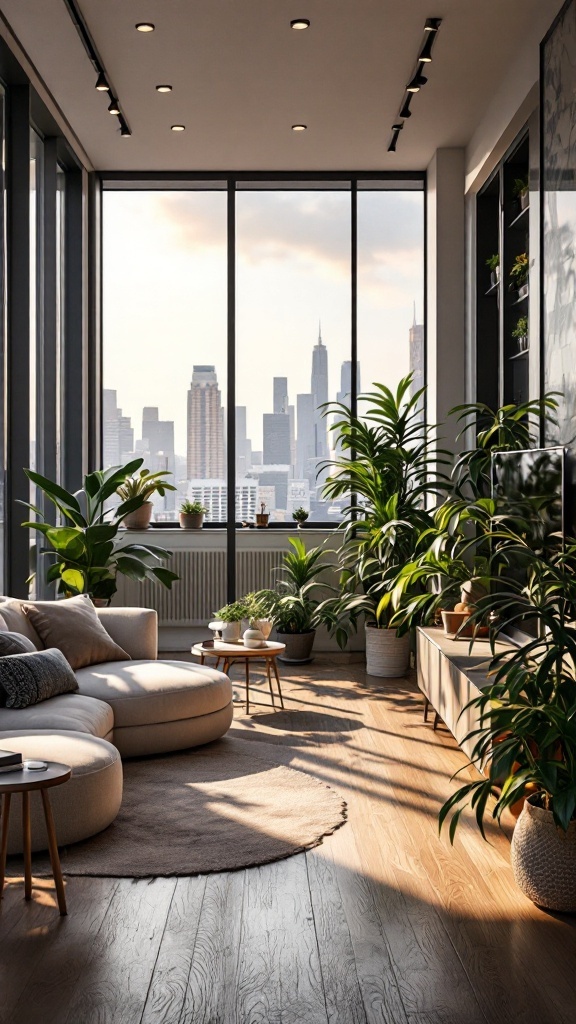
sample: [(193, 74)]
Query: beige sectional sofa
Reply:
[(122, 709)]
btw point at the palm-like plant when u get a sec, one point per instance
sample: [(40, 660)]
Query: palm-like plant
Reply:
[(85, 554), (389, 470), (145, 485), (296, 606)]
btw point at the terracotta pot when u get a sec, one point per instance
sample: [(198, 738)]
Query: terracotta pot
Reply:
[(452, 621), (191, 520), (298, 647), (140, 519), (544, 859), (387, 655), (264, 625)]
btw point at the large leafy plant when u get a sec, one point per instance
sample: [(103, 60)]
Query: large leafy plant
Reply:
[(296, 607), (526, 742), (389, 469), (84, 550)]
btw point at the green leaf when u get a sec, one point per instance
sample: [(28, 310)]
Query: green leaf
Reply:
[(165, 576), (53, 491), (73, 579)]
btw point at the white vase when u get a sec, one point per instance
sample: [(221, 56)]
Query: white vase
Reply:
[(387, 655), (253, 638), (231, 632)]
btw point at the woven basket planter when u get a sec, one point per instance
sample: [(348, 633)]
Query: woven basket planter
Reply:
[(387, 655), (544, 859)]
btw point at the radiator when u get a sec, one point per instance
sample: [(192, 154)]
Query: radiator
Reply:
[(201, 589)]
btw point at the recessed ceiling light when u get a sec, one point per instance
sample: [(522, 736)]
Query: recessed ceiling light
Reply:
[(177, 127), (299, 127), (101, 83), (298, 24), (145, 26), (163, 88), (113, 107)]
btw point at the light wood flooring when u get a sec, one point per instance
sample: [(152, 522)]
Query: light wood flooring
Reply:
[(381, 923)]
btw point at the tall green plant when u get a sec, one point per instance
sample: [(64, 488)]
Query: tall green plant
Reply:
[(390, 470), (297, 585), (84, 551)]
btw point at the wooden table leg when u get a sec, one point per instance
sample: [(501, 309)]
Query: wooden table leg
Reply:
[(54, 855), (4, 841), (269, 674), (278, 683), (27, 846), (246, 662)]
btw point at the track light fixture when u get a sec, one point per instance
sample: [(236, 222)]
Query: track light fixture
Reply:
[(103, 82), (300, 24), (431, 27)]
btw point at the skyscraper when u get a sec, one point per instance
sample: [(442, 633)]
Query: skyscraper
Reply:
[(305, 435), (416, 342), (117, 432), (160, 436), (280, 394), (205, 435), (319, 389), (276, 431), (346, 381)]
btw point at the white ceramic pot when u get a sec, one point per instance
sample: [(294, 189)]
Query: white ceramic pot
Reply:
[(387, 655), (543, 859), (231, 631), (253, 638)]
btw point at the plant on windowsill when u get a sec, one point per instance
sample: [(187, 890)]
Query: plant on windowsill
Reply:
[(520, 191), (394, 475), (520, 332), (86, 555), (143, 486), (300, 515), (191, 515), (493, 264)]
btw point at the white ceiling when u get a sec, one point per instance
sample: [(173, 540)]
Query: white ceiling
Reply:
[(242, 77)]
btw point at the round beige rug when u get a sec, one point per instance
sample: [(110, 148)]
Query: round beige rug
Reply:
[(215, 808)]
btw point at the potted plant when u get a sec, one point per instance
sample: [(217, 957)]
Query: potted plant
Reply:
[(300, 515), (85, 553), (191, 515), (392, 476), (260, 605), (143, 486), (231, 616), (519, 274), (295, 610), (526, 743), (493, 264), (262, 516), (520, 191), (520, 332)]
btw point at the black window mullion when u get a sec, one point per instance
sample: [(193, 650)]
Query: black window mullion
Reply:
[(354, 309), (231, 397)]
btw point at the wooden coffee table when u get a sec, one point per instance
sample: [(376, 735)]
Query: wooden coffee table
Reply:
[(229, 653), (26, 782)]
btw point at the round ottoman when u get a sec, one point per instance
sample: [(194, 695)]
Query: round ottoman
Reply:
[(160, 706), (84, 805)]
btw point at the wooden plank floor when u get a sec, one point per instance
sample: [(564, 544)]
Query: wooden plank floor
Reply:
[(381, 924)]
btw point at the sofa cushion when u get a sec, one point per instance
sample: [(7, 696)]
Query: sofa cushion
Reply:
[(150, 692), (30, 678), (15, 643), (70, 711), (16, 621), (73, 626)]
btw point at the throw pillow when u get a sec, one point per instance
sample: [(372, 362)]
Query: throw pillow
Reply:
[(15, 643), (30, 678), (73, 626)]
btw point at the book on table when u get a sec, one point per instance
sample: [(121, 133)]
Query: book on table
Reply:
[(10, 762)]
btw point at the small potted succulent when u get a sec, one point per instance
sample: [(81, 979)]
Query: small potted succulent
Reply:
[(262, 516), (520, 191), (493, 264), (520, 332), (300, 515), (143, 486), (231, 616), (191, 515)]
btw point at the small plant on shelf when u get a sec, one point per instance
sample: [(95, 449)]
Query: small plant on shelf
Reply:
[(520, 332), (234, 612), (520, 191), (143, 486), (193, 508), (519, 271), (493, 264), (191, 515)]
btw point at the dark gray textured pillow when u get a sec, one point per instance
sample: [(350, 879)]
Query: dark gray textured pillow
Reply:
[(15, 643), (31, 678)]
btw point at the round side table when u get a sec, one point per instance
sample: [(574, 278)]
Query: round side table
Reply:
[(229, 653), (26, 782)]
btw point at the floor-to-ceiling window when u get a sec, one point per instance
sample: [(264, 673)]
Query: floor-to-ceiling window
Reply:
[(254, 300)]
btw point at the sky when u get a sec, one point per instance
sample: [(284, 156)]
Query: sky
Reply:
[(165, 292)]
